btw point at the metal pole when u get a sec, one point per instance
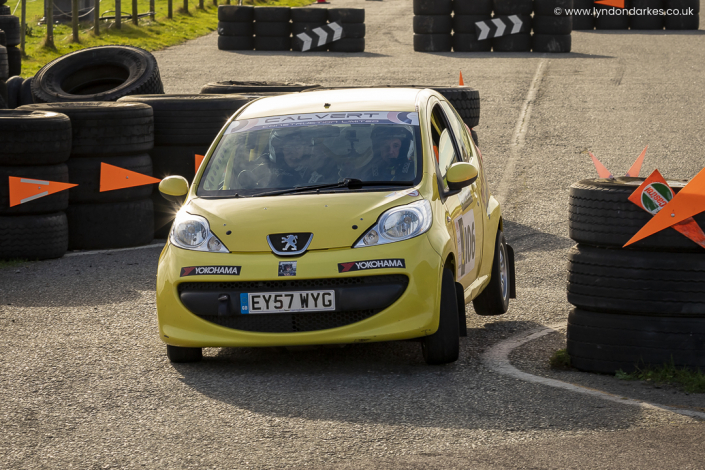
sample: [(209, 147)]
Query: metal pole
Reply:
[(24, 24), (96, 17), (134, 12), (118, 14), (201, 5), (74, 19), (151, 8), (170, 10), (49, 42)]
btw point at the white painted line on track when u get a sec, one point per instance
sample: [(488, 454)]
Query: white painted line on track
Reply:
[(520, 131), (497, 359), (159, 244)]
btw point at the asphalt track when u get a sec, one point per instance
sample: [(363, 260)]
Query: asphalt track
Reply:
[(86, 384)]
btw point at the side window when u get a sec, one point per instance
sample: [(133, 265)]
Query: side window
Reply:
[(464, 137), (443, 146)]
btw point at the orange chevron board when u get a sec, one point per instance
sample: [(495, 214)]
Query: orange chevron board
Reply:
[(113, 177), (24, 190)]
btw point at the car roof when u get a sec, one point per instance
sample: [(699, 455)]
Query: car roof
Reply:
[(348, 99)]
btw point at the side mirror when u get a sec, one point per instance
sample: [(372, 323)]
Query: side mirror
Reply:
[(174, 189), (460, 175)]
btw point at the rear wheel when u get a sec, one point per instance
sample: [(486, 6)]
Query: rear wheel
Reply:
[(443, 346), (178, 354), (494, 300)]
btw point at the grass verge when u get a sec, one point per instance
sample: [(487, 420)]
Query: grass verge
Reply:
[(11, 263), (560, 360), (689, 380), (149, 34)]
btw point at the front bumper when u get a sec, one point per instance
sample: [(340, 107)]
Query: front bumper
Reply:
[(371, 305)]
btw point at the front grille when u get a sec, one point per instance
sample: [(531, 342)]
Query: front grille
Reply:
[(290, 322), (254, 286)]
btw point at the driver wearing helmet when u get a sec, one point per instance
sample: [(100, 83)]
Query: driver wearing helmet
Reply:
[(390, 162), (289, 157)]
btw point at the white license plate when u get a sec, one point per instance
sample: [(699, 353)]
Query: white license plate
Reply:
[(285, 302)]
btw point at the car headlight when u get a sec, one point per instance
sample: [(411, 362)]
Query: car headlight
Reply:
[(399, 223), (192, 232)]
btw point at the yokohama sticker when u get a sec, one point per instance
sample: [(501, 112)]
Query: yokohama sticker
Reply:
[(210, 270), (371, 264)]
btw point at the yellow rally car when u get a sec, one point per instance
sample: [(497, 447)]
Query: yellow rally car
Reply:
[(331, 217)]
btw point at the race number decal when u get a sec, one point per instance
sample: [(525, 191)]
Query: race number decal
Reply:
[(465, 237)]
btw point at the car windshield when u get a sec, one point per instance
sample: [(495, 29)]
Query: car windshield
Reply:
[(277, 153)]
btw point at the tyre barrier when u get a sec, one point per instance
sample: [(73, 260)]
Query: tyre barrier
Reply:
[(34, 145), (18, 92), (486, 25), (177, 141), (242, 27), (120, 134), (636, 306)]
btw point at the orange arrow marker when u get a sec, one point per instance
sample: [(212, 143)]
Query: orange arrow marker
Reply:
[(25, 189), (602, 171), (611, 3), (688, 202), (113, 177), (199, 160), (636, 167)]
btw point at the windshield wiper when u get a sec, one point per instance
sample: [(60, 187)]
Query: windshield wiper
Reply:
[(350, 183)]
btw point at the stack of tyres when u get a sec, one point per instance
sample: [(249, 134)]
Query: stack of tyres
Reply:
[(272, 28), (612, 18), (466, 14), (11, 26), (34, 145), (636, 306), (184, 126), (4, 71), (585, 21), (435, 15), (689, 18), (18, 92), (236, 28), (353, 22), (552, 26), (305, 20), (118, 134), (520, 42), (647, 22)]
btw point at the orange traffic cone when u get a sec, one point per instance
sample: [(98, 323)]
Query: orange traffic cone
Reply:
[(462, 82)]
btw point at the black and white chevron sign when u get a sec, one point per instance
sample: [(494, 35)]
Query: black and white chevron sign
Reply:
[(500, 26), (320, 36)]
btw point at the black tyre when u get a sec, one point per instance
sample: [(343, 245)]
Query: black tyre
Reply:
[(683, 4), (53, 203), (26, 92), (4, 64), (433, 42), (3, 94), (309, 15), (347, 45), (513, 7), (232, 13), (646, 22), (494, 299), (583, 23), (3, 38), (272, 43), (472, 7), (14, 86), (189, 119), (469, 43), (11, 26), (179, 160), (236, 43), (103, 73), (105, 128), (682, 22), (553, 25), (512, 43), (443, 346), (600, 342), (298, 28), (346, 15), (600, 214), (548, 7), (110, 225), (34, 137), (276, 30), (272, 14), (551, 43), (179, 355), (5, 10), (465, 100), (33, 237), (85, 172), (354, 30), (465, 24), (636, 282), (241, 28), (433, 7), (610, 19), (433, 24), (14, 60), (229, 87)]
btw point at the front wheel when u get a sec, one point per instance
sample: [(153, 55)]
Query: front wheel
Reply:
[(443, 346), (494, 299), (179, 354)]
